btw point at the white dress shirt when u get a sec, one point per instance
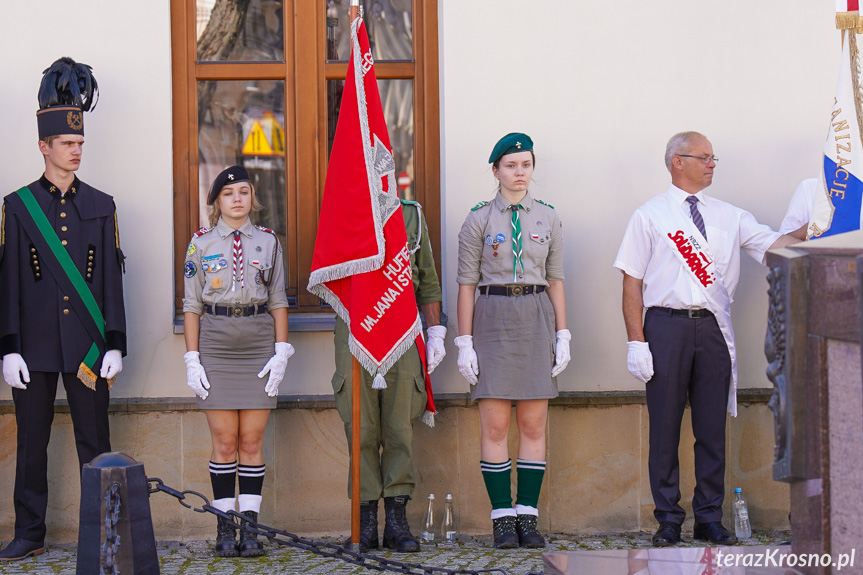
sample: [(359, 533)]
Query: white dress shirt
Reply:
[(800, 208), (644, 254)]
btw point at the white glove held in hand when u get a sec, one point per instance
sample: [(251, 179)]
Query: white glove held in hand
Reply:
[(112, 363), (196, 378), (468, 365), (561, 352), (435, 351), (639, 360), (13, 368), (276, 366)]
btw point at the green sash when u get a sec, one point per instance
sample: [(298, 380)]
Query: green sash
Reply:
[(85, 371)]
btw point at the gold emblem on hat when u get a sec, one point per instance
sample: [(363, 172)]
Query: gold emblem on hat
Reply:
[(518, 145), (216, 283), (75, 120)]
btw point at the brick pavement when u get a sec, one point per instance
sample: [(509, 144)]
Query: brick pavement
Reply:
[(195, 557)]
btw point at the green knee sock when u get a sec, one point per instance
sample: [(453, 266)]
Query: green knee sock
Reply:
[(529, 475), (497, 483)]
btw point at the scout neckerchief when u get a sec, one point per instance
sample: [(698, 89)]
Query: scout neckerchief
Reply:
[(516, 242), (684, 240), (61, 266), (237, 262)]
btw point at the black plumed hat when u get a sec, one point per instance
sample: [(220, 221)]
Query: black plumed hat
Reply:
[(67, 90)]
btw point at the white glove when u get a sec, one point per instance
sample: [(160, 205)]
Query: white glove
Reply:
[(13, 368), (276, 366), (112, 363), (467, 362), (195, 375), (435, 351), (639, 361), (561, 352)]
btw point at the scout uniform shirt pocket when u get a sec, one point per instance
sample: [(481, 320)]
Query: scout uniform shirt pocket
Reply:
[(262, 270), (217, 272), (497, 257), (539, 242)]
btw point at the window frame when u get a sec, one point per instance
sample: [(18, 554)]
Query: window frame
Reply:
[(305, 121)]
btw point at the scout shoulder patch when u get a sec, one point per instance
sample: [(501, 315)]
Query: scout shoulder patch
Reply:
[(268, 230), (545, 204), (201, 232), (479, 205), (190, 270), (191, 249)]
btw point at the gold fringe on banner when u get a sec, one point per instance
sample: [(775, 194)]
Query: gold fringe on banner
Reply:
[(849, 21)]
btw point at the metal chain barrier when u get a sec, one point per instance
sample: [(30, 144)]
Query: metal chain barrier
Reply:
[(369, 561), (112, 539)]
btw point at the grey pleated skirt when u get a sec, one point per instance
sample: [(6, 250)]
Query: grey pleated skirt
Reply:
[(514, 342), (233, 351)]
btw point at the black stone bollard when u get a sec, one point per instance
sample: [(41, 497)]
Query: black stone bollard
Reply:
[(115, 533)]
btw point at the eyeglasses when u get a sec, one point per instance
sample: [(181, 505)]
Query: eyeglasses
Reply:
[(705, 159)]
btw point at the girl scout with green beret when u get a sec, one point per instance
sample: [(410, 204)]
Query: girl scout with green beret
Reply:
[(236, 329), (513, 340)]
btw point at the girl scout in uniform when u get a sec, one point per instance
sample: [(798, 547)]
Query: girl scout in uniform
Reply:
[(513, 340), (236, 328)]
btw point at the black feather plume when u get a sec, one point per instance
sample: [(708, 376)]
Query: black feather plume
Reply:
[(68, 83)]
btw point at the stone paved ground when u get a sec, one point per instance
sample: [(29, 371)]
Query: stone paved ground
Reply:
[(195, 557)]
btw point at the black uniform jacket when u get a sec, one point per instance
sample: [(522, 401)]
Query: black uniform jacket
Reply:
[(37, 320)]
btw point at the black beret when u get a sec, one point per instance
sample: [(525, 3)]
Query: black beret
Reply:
[(510, 144), (228, 176)]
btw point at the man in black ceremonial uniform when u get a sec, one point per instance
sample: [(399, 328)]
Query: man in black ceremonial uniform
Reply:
[(61, 300)]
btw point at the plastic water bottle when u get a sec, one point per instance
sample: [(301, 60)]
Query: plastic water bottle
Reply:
[(447, 528), (428, 526), (742, 527)]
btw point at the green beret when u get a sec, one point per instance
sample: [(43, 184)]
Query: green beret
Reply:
[(510, 144)]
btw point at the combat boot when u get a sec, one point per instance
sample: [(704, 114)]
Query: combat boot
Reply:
[(249, 544), (226, 540), (368, 526), (397, 533)]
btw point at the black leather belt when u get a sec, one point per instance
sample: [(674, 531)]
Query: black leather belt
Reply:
[(236, 310), (690, 313), (511, 290)]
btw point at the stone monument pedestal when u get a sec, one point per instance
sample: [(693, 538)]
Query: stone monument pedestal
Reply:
[(813, 346)]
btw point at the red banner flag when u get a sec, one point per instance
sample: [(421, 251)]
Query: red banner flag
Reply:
[(361, 264)]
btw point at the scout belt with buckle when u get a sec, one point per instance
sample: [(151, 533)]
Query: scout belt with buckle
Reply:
[(236, 310), (511, 289)]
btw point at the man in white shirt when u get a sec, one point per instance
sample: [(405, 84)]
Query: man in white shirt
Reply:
[(680, 259)]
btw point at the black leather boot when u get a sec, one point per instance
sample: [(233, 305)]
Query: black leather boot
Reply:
[(226, 540), (397, 533), (528, 535), (368, 526), (249, 544)]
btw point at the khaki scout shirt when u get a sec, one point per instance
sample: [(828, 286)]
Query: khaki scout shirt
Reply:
[(426, 283), (485, 254), (209, 272)]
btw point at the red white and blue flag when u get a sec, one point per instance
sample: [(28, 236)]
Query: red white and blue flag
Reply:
[(839, 208), (361, 263)]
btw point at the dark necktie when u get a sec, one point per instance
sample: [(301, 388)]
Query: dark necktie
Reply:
[(696, 215)]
